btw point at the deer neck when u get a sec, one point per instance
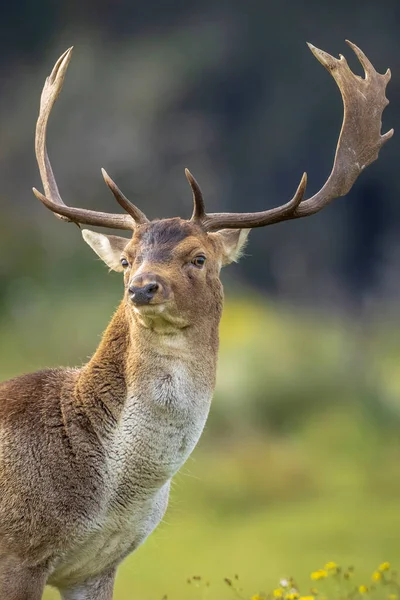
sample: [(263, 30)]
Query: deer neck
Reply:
[(131, 358)]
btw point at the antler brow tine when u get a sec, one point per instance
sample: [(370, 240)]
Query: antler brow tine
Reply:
[(358, 146), (52, 199), (137, 215), (199, 210)]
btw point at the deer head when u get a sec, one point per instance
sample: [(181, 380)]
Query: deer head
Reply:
[(171, 266)]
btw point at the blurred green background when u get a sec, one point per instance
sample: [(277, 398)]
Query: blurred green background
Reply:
[(299, 462)]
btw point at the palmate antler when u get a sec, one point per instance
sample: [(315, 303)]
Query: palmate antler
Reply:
[(359, 143)]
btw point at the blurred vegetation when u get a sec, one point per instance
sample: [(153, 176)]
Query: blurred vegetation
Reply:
[(227, 89), (329, 583), (299, 461)]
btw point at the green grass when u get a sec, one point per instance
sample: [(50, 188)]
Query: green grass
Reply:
[(299, 464), (262, 546), (243, 508)]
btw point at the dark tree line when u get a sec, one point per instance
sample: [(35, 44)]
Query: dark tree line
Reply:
[(226, 88)]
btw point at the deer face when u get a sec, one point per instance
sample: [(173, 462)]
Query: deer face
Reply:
[(171, 268)]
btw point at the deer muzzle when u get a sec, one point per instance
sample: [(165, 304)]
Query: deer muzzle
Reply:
[(147, 289)]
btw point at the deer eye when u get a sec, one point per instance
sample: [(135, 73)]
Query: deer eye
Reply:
[(199, 261), (124, 263)]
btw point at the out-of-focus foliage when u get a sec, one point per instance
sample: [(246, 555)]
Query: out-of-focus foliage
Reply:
[(333, 581), (299, 461), (281, 481), (228, 89), (279, 367)]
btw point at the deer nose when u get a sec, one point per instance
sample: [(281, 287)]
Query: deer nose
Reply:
[(141, 295)]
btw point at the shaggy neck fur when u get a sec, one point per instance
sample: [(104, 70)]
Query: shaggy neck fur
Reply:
[(131, 355)]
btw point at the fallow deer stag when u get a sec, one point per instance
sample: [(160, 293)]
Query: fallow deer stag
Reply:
[(87, 455)]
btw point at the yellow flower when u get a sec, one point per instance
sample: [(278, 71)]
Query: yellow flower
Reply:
[(292, 596), (278, 593), (384, 566), (376, 576), (363, 589), (331, 566), (306, 598), (320, 574), (256, 597)]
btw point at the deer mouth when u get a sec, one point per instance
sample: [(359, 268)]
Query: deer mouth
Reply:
[(150, 309)]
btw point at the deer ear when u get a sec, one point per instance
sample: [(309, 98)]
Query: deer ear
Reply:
[(233, 243), (107, 247)]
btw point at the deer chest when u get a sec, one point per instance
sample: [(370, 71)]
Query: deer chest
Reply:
[(109, 537), (157, 430)]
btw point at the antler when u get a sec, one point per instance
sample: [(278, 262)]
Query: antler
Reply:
[(359, 143), (199, 209), (52, 199)]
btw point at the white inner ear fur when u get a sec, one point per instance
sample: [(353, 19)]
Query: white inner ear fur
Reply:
[(107, 247), (233, 242)]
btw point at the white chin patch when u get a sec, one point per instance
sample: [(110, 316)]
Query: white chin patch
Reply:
[(149, 309)]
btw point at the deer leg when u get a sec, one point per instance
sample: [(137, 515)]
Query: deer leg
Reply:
[(18, 582), (97, 588)]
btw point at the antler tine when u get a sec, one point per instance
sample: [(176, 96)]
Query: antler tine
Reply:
[(199, 210), (358, 146), (52, 199), (215, 221), (137, 215), (360, 137)]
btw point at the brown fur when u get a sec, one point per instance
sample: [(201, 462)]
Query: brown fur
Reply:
[(58, 427)]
